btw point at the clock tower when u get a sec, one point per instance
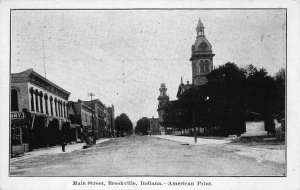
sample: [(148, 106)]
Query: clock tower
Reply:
[(202, 57)]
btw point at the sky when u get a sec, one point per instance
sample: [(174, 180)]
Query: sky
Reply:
[(123, 56)]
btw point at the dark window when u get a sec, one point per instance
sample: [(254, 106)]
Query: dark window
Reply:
[(64, 108), (14, 100), (55, 103), (67, 111), (31, 98), (59, 108), (207, 66), (51, 104), (46, 103), (202, 68), (41, 101), (36, 100)]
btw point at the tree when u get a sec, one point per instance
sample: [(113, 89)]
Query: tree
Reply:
[(280, 93), (123, 124), (142, 126), (225, 107), (228, 99)]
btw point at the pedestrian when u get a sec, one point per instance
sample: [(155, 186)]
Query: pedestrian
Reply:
[(63, 144)]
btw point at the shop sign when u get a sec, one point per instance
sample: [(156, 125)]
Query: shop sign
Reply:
[(17, 115)]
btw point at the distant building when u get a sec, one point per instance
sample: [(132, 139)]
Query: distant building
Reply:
[(182, 88), (163, 100), (111, 121), (155, 128), (202, 65), (82, 116), (100, 122), (44, 108), (75, 123)]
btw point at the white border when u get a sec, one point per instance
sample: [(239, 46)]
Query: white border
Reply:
[(293, 134)]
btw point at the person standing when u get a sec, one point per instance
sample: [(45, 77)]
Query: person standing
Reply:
[(63, 142)]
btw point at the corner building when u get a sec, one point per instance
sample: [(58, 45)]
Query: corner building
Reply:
[(44, 105)]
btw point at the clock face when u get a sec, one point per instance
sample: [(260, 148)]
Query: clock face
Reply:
[(203, 46)]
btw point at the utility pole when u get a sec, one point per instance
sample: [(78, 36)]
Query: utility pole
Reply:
[(91, 94), (43, 48)]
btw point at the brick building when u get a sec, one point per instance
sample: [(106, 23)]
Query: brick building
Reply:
[(44, 106), (80, 115), (111, 121), (99, 117)]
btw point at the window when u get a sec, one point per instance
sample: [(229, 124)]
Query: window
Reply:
[(206, 66), (58, 103), (59, 108), (64, 108), (202, 68), (55, 104), (46, 103), (37, 100), (41, 101), (51, 106), (14, 100), (31, 91), (197, 69)]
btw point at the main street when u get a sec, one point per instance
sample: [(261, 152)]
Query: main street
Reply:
[(149, 156)]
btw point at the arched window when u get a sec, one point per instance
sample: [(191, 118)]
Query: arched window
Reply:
[(64, 108), (51, 105), (46, 103), (55, 104), (67, 110), (207, 66), (36, 99), (61, 113), (58, 103), (197, 69), (41, 101), (31, 91), (14, 100)]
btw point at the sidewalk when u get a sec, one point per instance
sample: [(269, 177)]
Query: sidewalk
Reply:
[(190, 140), (53, 150), (259, 153)]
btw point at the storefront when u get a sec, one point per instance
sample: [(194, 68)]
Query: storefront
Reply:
[(39, 115)]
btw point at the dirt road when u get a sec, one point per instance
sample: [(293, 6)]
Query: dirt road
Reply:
[(148, 156)]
